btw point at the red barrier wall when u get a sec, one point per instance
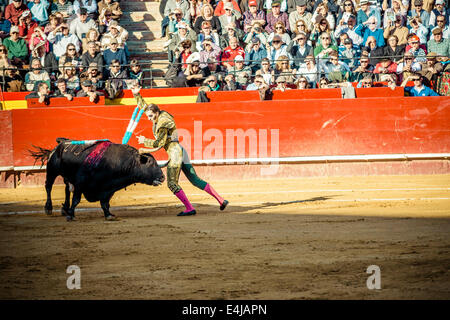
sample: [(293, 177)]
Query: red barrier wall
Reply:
[(305, 128), (6, 146), (63, 102)]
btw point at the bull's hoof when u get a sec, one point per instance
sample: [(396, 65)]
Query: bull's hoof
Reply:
[(111, 217), (188, 213), (64, 211), (70, 218), (48, 212), (223, 205)]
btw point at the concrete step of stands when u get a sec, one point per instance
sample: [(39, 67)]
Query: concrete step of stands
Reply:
[(150, 6), (137, 16), (142, 36)]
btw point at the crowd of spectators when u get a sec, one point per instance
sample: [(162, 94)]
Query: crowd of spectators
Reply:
[(76, 47), (250, 44)]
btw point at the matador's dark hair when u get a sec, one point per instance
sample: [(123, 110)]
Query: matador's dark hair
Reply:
[(152, 107)]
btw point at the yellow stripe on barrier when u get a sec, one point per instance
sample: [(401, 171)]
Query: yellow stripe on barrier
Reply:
[(14, 104), (155, 100)]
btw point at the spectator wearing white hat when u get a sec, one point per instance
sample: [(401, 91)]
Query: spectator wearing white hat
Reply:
[(276, 49), (220, 8), (438, 10), (366, 11), (241, 72), (179, 18), (61, 38), (230, 17), (174, 45), (17, 47), (26, 25), (117, 32)]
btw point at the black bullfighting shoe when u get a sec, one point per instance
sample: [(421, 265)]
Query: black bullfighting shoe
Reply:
[(223, 205), (188, 213)]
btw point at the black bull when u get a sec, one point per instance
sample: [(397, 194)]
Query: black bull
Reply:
[(120, 166)]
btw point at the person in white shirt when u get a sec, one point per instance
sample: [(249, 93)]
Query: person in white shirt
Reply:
[(60, 37)]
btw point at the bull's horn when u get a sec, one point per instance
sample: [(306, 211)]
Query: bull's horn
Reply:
[(146, 150), (164, 164)]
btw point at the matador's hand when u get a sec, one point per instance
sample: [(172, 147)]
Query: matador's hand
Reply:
[(141, 139)]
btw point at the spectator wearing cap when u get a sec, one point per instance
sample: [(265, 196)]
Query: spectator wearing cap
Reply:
[(231, 32), (408, 66), (94, 74), (61, 38), (281, 84), (170, 13), (300, 13), (209, 51), (253, 13), (419, 89), (298, 49), (418, 29), (207, 14), (178, 42), (255, 55), (420, 12), (82, 24), (439, 45), (90, 5), (112, 6), (36, 75), (14, 10), (231, 52), (17, 47), (245, 5), (431, 69), (92, 55), (230, 17), (365, 12), (441, 22), (39, 10), (241, 72), (62, 91), (397, 28), (325, 47), (26, 25), (114, 53), (416, 50), (276, 49), (88, 90), (349, 53), (393, 49), (438, 10), (276, 15), (64, 7), (115, 32), (221, 7), (286, 6)]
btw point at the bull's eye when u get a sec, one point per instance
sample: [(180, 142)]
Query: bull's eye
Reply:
[(143, 159)]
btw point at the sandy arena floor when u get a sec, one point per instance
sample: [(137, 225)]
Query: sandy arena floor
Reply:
[(278, 239)]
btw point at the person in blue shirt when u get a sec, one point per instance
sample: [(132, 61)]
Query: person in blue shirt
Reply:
[(256, 54), (114, 53), (419, 89)]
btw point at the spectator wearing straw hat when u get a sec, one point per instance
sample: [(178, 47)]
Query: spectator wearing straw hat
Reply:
[(113, 6)]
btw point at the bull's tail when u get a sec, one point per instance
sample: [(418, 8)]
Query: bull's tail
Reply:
[(40, 154)]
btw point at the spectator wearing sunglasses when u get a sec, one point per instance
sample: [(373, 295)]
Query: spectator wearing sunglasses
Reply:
[(113, 6), (419, 89), (299, 49), (420, 12)]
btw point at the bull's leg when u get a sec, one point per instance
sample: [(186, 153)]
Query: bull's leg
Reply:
[(75, 201), (50, 179), (66, 205), (105, 206)]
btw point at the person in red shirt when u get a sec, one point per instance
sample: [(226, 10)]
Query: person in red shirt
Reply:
[(386, 65), (26, 25), (220, 9), (14, 10), (231, 52)]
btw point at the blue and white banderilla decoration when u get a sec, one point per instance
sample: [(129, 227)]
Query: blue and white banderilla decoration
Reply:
[(132, 124)]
